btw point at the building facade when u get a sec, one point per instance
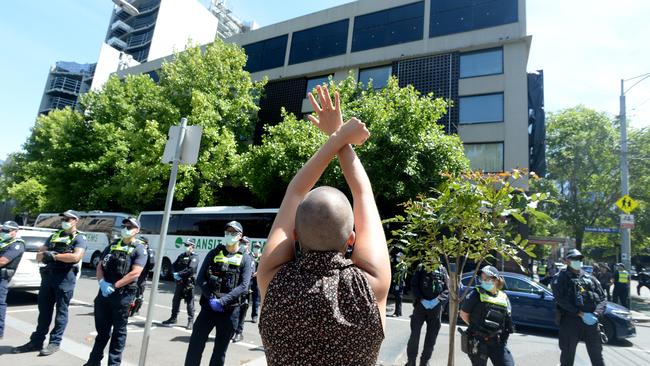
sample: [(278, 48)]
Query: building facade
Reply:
[(471, 52), (65, 83)]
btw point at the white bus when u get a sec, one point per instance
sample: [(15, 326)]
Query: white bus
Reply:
[(99, 228), (206, 225)]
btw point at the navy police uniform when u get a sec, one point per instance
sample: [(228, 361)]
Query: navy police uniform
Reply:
[(186, 266), (577, 293), (142, 281), (12, 249), (426, 286), (58, 280), (489, 328), (226, 277), (112, 311)]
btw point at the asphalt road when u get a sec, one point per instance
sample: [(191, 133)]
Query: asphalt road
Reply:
[(168, 345)]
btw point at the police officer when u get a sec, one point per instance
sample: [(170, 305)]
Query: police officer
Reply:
[(579, 301), (142, 279), (644, 280), (255, 290), (60, 255), (431, 293), (185, 267), (121, 265), (487, 311), (621, 294), (399, 283), (542, 270), (224, 278), (12, 248), (243, 308)]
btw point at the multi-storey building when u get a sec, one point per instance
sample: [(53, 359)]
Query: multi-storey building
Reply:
[(471, 52)]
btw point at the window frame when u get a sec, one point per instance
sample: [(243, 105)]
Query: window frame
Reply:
[(503, 153), (373, 68), (356, 47), (484, 50), (503, 108), (325, 77)]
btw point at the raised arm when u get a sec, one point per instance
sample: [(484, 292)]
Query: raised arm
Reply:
[(279, 246)]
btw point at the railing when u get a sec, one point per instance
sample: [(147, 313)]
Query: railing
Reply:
[(65, 83), (139, 23), (139, 40), (59, 103)]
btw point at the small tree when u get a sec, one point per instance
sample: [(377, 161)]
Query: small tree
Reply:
[(468, 219)]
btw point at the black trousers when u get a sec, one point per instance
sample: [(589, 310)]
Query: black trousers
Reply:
[(622, 295), (419, 317), (207, 320), (397, 292), (255, 297), (111, 314), (243, 309), (495, 351), (606, 287), (179, 294), (572, 331)]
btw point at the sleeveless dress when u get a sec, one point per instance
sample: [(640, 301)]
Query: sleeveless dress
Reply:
[(320, 310)]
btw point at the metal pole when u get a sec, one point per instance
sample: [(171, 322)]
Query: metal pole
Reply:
[(626, 251), (161, 242)]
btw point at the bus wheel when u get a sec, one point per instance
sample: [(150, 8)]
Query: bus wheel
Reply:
[(94, 260), (166, 269)]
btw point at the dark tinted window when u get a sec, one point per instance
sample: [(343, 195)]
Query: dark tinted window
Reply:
[(479, 63), (256, 225), (150, 224), (267, 54), (319, 42), (481, 108), (202, 225), (387, 27), (455, 16), (101, 224), (517, 285)]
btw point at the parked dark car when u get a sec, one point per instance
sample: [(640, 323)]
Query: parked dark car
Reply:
[(533, 305)]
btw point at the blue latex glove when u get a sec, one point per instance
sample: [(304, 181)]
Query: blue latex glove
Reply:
[(434, 303), (216, 305), (427, 304), (589, 318), (177, 277), (106, 288)]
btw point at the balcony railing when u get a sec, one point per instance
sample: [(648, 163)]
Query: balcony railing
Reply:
[(65, 84), (117, 43), (59, 103), (139, 40), (118, 24)]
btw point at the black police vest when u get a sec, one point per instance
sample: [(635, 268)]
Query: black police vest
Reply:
[(431, 284), (4, 246), (226, 267), (584, 293), (183, 262), (494, 311), (61, 243), (117, 262)]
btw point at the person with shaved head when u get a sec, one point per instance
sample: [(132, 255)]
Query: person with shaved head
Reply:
[(318, 307)]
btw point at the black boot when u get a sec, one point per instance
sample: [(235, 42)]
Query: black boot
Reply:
[(170, 322)]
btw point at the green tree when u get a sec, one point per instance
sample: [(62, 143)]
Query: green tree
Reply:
[(29, 196), (583, 162), (468, 219), (405, 155)]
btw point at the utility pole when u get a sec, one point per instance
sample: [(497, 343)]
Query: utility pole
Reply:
[(626, 249)]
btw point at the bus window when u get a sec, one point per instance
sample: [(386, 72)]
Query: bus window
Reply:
[(202, 224), (150, 224), (51, 222), (99, 224), (257, 225)]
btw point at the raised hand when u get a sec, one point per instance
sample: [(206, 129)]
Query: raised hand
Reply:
[(329, 115), (353, 132)]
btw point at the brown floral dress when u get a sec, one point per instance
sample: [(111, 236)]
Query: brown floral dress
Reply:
[(320, 310)]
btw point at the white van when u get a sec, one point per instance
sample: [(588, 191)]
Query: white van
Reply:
[(28, 275), (206, 225), (98, 227)]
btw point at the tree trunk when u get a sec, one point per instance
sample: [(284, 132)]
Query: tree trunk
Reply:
[(579, 235), (453, 315)]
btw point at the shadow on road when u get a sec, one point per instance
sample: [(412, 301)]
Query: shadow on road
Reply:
[(20, 297), (4, 350)]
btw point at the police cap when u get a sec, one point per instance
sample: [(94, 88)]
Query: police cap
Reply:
[(131, 221), (490, 271), (573, 254), (235, 225), (70, 214), (189, 242), (10, 226)]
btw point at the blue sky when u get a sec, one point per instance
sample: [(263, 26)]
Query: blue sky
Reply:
[(584, 47)]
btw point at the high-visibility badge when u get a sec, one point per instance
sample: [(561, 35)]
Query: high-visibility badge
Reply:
[(627, 204)]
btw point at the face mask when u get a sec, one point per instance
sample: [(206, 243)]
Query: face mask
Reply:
[(5, 236), (66, 225), (231, 239), (188, 250), (126, 233), (577, 265), (487, 286)]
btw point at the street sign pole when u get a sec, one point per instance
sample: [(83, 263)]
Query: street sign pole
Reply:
[(163, 235), (626, 250)]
